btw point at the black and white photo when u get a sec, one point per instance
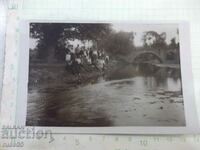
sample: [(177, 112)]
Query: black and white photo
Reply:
[(116, 75), (104, 75)]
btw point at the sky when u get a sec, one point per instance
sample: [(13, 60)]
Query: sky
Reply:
[(139, 29)]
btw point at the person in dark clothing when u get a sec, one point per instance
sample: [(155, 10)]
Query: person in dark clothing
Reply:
[(81, 53), (77, 49), (91, 55), (67, 51), (73, 57)]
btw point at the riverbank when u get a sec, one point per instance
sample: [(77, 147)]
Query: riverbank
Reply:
[(173, 66), (49, 76), (161, 65)]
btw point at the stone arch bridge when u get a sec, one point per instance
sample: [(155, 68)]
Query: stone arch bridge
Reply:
[(157, 53)]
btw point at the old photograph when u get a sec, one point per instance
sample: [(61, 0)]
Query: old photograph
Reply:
[(104, 75)]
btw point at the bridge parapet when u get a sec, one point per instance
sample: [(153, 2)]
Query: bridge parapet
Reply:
[(159, 54)]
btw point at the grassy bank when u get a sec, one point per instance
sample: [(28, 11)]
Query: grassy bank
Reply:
[(56, 75)]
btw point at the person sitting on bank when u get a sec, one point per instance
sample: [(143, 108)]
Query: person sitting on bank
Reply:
[(81, 53), (101, 64), (95, 56), (67, 50), (107, 59), (72, 50), (77, 49), (68, 57), (68, 60)]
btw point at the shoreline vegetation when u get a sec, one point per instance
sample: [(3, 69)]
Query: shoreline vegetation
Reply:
[(55, 75)]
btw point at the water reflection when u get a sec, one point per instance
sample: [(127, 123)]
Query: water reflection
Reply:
[(127, 95), (148, 75)]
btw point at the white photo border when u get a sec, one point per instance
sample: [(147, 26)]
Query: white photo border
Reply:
[(191, 117)]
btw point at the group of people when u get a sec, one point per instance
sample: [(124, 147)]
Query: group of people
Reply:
[(80, 57)]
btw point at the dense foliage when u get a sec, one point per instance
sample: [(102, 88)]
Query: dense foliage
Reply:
[(50, 35)]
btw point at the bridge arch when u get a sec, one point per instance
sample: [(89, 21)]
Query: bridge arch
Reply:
[(147, 52)]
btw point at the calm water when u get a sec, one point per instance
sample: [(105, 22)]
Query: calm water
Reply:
[(128, 95)]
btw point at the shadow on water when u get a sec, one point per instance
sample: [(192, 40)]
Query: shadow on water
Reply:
[(63, 109), (160, 74)]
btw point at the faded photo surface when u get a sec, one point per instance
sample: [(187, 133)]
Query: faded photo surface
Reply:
[(104, 74)]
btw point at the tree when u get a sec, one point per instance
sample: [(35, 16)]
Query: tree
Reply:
[(119, 43), (154, 40), (174, 52), (50, 35), (174, 44)]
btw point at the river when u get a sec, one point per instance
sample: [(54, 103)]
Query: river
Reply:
[(127, 95)]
